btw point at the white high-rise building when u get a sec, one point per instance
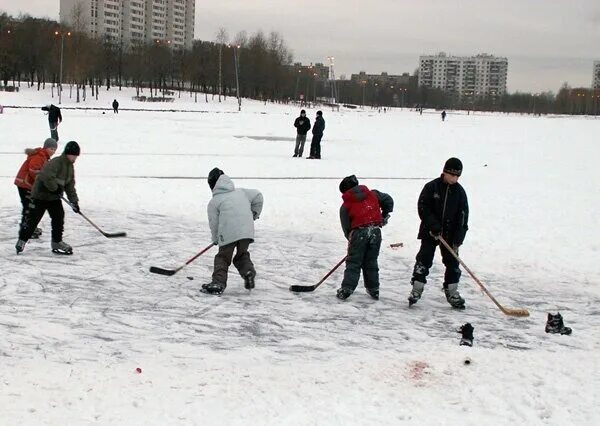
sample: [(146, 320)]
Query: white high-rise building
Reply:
[(480, 75), (133, 21), (596, 79)]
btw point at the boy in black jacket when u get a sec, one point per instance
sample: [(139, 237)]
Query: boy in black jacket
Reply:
[(444, 211), (54, 119)]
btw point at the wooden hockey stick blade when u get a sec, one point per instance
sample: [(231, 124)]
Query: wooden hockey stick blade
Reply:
[(517, 312), (302, 288), (394, 245), (161, 271)]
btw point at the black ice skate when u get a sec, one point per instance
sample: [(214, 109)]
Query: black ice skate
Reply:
[(373, 292), (20, 246), (416, 292), (249, 280), (555, 325), (343, 293), (453, 296), (213, 288), (61, 248), (467, 334)]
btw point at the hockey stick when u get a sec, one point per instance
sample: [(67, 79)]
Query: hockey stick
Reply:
[(106, 234), (307, 288), (396, 245), (518, 312), (170, 272)]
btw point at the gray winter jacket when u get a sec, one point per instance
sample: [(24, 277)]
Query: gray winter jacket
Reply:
[(232, 212)]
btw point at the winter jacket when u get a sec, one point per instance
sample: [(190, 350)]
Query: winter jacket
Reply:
[(36, 158), (302, 124), (54, 115), (364, 207), (232, 212), (319, 126), (57, 175), (444, 208), (115, 104)]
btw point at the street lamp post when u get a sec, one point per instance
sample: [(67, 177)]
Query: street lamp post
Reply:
[(62, 48), (237, 79)]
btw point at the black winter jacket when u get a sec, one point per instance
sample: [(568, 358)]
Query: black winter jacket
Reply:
[(54, 115), (444, 208), (302, 124), (319, 126)]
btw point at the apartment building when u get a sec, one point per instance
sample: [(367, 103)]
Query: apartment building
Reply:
[(596, 78), (480, 75), (133, 22)]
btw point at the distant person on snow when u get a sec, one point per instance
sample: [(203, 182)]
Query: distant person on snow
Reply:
[(31, 167), (231, 216), (57, 176), (317, 131), (115, 106), (443, 115), (444, 211), (302, 125), (54, 119), (362, 215)]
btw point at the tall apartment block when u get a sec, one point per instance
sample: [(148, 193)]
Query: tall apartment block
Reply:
[(133, 22), (480, 75), (596, 79)]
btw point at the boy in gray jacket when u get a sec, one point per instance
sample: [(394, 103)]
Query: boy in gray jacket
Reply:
[(231, 216)]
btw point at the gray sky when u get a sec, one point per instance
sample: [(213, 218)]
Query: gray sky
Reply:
[(547, 42)]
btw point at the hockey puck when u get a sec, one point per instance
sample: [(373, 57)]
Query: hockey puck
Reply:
[(138, 370), (190, 278), (467, 361)]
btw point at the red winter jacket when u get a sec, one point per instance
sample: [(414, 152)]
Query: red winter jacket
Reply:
[(361, 208), (36, 158)]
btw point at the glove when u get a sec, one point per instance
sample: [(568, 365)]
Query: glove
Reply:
[(435, 234), (254, 215), (215, 243), (386, 219), (75, 207), (455, 247)]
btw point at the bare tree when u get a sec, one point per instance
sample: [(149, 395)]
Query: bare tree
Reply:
[(222, 38)]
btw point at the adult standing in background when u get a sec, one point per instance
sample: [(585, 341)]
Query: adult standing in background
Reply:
[(115, 106), (302, 125), (54, 119), (317, 131)]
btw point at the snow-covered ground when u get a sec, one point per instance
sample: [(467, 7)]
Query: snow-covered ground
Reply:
[(74, 329)]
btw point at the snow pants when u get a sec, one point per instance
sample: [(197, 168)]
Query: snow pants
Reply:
[(36, 211), (53, 131), (363, 251), (425, 260), (25, 195), (241, 261)]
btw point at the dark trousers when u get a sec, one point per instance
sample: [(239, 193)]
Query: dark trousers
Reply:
[(34, 214), (25, 195), (425, 260), (241, 260), (300, 141), (363, 251), (315, 146), (116, 110), (54, 130)]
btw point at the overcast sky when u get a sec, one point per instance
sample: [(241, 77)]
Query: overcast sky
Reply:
[(547, 42)]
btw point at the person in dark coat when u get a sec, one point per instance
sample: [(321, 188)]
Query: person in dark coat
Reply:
[(302, 125), (57, 176), (444, 211), (115, 106), (317, 131), (443, 115), (362, 214), (54, 119)]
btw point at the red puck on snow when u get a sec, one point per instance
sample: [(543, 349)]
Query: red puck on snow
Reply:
[(138, 370)]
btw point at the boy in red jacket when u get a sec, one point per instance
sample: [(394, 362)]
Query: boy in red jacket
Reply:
[(31, 167), (362, 215)]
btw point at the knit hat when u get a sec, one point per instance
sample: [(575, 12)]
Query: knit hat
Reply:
[(453, 166), (302, 112), (213, 177), (319, 112), (50, 143), (347, 183), (72, 148)]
